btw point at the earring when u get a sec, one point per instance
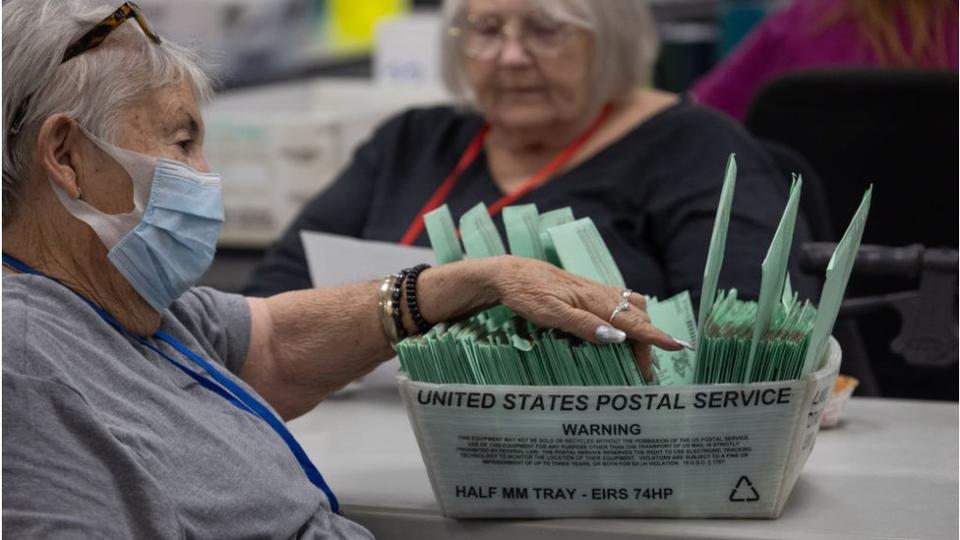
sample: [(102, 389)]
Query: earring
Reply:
[(79, 194)]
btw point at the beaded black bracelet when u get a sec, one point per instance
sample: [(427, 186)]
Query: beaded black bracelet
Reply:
[(395, 297), (412, 274)]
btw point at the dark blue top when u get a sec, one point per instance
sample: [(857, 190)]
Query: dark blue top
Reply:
[(653, 195)]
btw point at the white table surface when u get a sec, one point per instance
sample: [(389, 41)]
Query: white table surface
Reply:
[(890, 470)]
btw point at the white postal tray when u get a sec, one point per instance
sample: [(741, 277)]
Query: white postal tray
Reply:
[(728, 450)]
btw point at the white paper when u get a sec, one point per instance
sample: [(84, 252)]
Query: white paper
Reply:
[(338, 260)]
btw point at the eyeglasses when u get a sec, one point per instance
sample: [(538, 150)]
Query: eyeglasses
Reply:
[(91, 40), (482, 36)]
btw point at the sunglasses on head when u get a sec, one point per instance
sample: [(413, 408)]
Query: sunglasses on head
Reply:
[(91, 40)]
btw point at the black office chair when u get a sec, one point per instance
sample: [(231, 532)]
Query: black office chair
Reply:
[(813, 201), (897, 130)]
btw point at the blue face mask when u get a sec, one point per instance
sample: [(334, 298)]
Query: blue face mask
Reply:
[(165, 244)]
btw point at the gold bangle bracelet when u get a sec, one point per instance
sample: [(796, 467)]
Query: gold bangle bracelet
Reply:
[(385, 306)]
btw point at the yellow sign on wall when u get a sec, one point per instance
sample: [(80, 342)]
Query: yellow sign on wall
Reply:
[(351, 23)]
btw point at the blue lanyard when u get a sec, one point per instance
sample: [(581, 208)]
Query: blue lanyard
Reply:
[(221, 384)]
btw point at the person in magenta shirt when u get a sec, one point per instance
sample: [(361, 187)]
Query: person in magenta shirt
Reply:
[(824, 33)]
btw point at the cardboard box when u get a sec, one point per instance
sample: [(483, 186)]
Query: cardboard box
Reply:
[(726, 450)]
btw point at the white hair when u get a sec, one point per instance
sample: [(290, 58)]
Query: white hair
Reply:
[(93, 88), (625, 44)]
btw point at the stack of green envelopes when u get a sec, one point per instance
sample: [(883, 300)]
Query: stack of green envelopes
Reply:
[(516, 352), (777, 337), (727, 340)]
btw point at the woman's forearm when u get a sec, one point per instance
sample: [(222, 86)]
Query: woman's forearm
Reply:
[(307, 344)]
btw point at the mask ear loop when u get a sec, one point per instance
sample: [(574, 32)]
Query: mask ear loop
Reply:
[(140, 168), (110, 228)]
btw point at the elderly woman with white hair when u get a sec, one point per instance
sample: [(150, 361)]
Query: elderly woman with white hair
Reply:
[(557, 111), (136, 405)]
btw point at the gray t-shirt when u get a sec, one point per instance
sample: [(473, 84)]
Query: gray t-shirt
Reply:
[(104, 438)]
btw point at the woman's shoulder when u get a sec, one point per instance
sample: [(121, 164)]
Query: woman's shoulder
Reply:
[(21, 290), (684, 148), (38, 318), (17, 312), (34, 299), (691, 119), (686, 134), (217, 322)]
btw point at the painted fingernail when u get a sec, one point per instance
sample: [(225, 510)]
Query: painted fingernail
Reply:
[(609, 334), (684, 344)]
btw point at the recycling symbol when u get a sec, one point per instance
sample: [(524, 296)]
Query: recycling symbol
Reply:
[(744, 491)]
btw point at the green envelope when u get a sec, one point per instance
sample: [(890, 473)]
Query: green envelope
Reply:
[(481, 239), (718, 243), (675, 317), (548, 220), (479, 234), (522, 223), (838, 273), (581, 251), (774, 272), (443, 235)]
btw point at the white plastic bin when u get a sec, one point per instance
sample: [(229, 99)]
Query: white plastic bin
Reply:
[(727, 450), (277, 147)]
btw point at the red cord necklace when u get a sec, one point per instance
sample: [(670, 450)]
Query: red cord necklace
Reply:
[(541, 177)]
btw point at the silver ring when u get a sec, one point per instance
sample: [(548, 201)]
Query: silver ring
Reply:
[(626, 294), (621, 307)]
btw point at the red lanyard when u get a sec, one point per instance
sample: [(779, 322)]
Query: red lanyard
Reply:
[(440, 195)]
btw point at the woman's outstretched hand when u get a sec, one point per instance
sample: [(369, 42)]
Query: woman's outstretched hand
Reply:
[(552, 298)]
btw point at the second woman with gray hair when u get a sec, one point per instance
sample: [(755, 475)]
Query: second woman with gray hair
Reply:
[(558, 111)]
